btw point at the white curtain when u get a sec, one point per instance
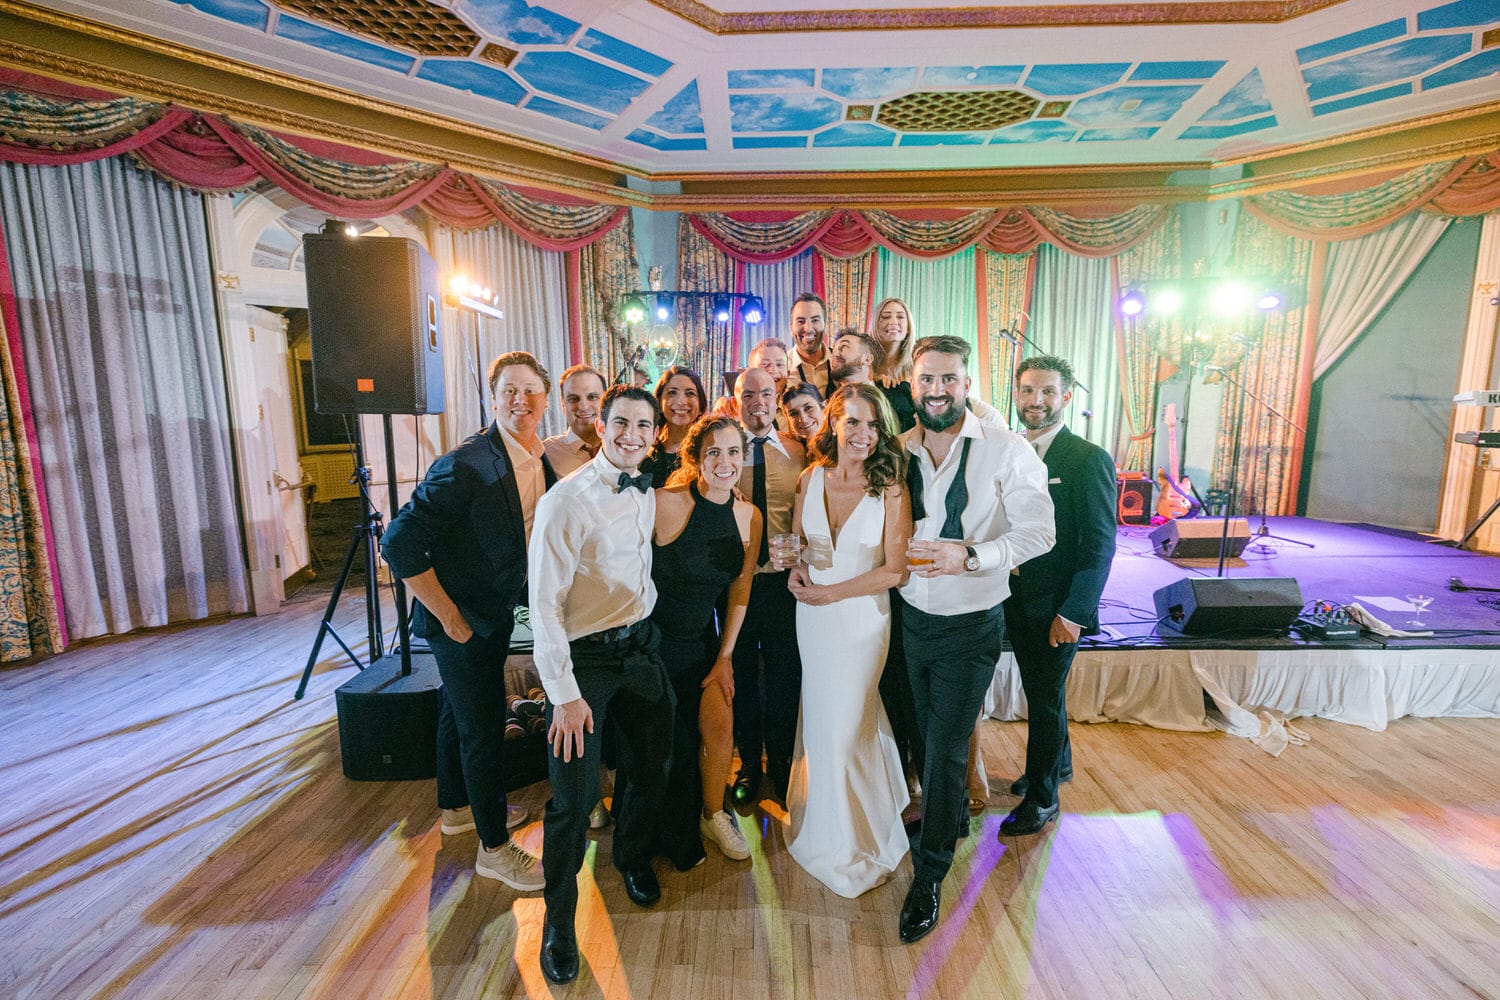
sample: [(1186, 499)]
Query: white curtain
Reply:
[(1071, 318), (940, 293), (114, 287), (777, 285), (1364, 274), (532, 285)]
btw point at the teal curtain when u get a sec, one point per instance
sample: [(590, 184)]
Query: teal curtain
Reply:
[(940, 294)]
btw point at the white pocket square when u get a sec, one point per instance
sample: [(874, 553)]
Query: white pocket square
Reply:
[(1054, 479)]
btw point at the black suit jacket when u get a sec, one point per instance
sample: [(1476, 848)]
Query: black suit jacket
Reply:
[(1069, 580), (464, 520)]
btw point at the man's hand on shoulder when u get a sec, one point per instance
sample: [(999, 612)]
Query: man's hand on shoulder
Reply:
[(570, 721)]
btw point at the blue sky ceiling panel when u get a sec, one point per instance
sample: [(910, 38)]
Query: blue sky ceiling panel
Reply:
[(477, 78), (1358, 100), (870, 83), (1035, 131), (1463, 14), (1387, 64), (1122, 134), (1157, 104), (667, 145), (1230, 130), (1246, 98), (1473, 68), (771, 79), (1062, 80), (579, 80), (349, 46), (855, 134), (782, 112), (567, 113), (945, 77), (1372, 35), (770, 142), (682, 115), (519, 23), (627, 55), (944, 138), (250, 13), (1151, 71)]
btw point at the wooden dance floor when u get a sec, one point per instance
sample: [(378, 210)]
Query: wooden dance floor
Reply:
[(175, 825)]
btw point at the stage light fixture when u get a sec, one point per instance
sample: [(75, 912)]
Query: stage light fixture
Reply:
[(1229, 298), (349, 230), (1269, 299), (1132, 303), (753, 311), (721, 309), (663, 307), (459, 284), (633, 309)]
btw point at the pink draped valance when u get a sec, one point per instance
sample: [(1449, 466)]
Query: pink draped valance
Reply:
[(49, 123), (766, 237)]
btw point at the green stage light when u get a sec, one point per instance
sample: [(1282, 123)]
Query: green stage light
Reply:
[(1166, 302), (1229, 298), (633, 309)]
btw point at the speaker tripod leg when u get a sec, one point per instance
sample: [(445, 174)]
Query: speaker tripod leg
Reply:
[(325, 627)]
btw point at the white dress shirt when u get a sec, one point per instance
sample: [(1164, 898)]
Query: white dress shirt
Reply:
[(566, 452), (1008, 519), (531, 481), (1041, 444), (590, 567)]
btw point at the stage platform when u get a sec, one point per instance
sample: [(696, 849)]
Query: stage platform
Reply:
[(1134, 671)]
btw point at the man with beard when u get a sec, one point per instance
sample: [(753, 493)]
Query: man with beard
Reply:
[(767, 667), (596, 651), (810, 358), (1055, 597), (980, 508), (856, 358), (460, 544), (581, 389)]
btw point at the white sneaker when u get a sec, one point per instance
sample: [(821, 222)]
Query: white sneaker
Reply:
[(720, 829), (458, 820), (515, 816), (512, 865)]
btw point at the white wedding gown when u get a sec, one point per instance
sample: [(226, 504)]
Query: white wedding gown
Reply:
[(847, 789)]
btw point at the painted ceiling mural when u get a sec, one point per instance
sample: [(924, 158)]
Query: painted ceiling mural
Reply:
[(631, 81)]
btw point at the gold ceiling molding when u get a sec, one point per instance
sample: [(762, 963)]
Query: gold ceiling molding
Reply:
[(1087, 15)]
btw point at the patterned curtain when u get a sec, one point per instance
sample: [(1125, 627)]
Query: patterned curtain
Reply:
[(703, 345), (1142, 342), (1073, 316), (1007, 295), (1269, 365), (30, 625), (847, 283), (777, 285), (607, 270)]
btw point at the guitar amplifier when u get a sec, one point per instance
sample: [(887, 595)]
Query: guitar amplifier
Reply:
[(1134, 504)]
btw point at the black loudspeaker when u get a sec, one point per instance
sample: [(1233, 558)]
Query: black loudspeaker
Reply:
[(1198, 537), (1203, 605), (388, 723), (1134, 505), (373, 306)]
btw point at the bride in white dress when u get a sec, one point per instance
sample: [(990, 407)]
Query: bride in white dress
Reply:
[(847, 788)]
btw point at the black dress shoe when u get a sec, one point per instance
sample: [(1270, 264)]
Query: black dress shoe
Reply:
[(1028, 817), (641, 886), (1020, 786), (919, 914), (559, 955)]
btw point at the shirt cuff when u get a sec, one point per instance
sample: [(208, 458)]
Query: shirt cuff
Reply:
[(991, 554), (563, 689), (1069, 621)]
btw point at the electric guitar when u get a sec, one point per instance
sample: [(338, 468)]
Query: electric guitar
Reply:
[(1175, 498)]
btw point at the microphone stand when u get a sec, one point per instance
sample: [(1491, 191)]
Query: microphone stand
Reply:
[(1262, 532)]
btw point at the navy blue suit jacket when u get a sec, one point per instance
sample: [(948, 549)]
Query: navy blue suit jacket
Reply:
[(1069, 580), (464, 520)]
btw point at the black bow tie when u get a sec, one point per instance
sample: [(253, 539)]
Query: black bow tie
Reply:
[(641, 482)]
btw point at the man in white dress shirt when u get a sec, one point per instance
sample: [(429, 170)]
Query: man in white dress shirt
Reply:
[(591, 597), (581, 389), (980, 508)]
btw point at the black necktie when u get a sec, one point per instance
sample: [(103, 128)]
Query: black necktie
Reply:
[(758, 494), (953, 504), (641, 482)]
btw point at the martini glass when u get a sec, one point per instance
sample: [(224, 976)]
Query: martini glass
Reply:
[(1419, 603)]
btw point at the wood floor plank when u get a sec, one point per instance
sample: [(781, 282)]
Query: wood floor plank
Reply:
[(175, 825)]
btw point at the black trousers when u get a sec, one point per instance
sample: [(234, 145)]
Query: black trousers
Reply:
[(766, 704), (625, 683), (1044, 678), (471, 728), (895, 695), (676, 834), (951, 661)]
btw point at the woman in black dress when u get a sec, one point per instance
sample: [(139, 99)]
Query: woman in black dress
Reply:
[(705, 540), (679, 394)]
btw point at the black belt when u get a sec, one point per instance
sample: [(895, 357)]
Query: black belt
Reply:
[(610, 635)]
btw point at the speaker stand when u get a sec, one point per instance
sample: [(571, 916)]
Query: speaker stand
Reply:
[(365, 536)]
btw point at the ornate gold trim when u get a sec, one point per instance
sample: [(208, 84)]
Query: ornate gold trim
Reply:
[(1089, 15)]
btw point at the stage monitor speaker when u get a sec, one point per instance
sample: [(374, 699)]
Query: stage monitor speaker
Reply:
[(1205, 605), (1134, 506), (1198, 537), (373, 306), (388, 723)]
